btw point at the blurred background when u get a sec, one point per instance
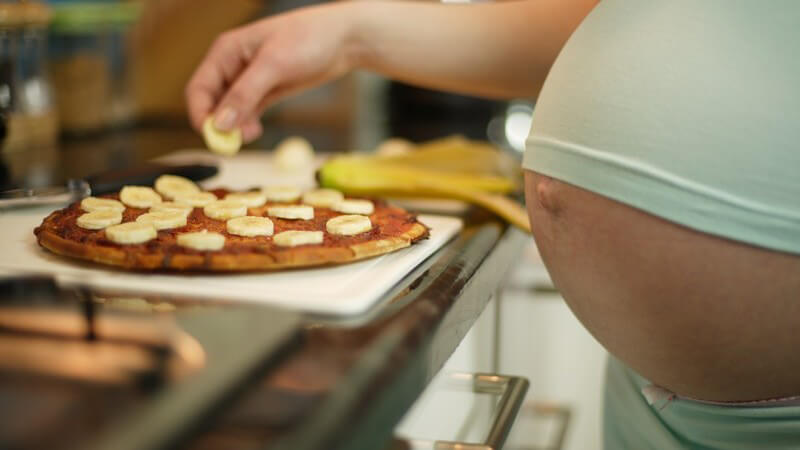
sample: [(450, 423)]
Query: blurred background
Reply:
[(72, 70), (88, 86)]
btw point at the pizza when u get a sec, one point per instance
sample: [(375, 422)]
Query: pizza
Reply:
[(176, 226)]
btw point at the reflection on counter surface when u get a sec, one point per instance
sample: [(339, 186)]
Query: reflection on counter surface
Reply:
[(106, 368)]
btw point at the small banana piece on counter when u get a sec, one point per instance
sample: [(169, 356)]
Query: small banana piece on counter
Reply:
[(90, 204), (163, 220), (293, 153), (225, 209), (281, 194), (365, 207), (197, 200), (322, 198), (394, 147), (131, 233), (249, 226), (139, 196), (348, 225), (97, 220), (201, 240), (171, 186), (251, 199), (226, 143), (293, 238), (172, 206), (292, 212)]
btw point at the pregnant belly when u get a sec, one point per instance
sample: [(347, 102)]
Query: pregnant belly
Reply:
[(703, 316)]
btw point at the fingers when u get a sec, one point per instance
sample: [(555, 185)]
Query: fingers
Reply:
[(251, 130), (241, 102), (227, 57)]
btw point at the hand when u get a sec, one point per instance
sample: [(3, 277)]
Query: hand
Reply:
[(249, 68)]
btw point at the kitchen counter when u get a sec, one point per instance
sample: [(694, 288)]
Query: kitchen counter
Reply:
[(345, 383)]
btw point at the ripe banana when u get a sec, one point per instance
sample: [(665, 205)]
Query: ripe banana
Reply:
[(357, 174), (425, 173), (293, 238), (130, 233), (348, 225), (139, 196), (197, 199), (281, 194), (303, 212), (172, 206), (225, 143), (163, 220), (201, 240), (225, 209), (171, 186), (90, 204), (251, 199), (354, 207), (461, 155), (323, 198), (99, 219), (250, 226)]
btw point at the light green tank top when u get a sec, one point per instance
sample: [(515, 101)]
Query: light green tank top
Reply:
[(686, 109)]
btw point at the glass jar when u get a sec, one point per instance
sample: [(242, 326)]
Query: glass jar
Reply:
[(89, 64), (26, 97)]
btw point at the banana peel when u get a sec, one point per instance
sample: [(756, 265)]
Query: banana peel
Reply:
[(432, 171)]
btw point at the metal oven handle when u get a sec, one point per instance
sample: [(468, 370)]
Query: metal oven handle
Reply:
[(512, 392)]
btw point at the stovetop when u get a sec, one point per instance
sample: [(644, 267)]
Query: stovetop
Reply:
[(82, 371)]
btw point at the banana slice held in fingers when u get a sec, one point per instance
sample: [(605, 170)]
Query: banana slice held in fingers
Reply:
[(130, 233), (171, 186), (90, 204), (292, 212), (197, 199), (293, 238), (323, 198), (225, 209), (163, 220), (139, 196), (348, 225), (354, 207), (201, 240), (225, 143), (249, 226), (97, 220), (281, 194), (251, 199)]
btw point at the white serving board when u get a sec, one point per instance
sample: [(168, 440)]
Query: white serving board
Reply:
[(347, 289), (338, 290)]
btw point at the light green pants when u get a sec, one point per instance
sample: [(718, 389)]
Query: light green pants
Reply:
[(630, 422)]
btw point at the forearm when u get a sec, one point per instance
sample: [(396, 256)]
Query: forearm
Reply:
[(499, 50)]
